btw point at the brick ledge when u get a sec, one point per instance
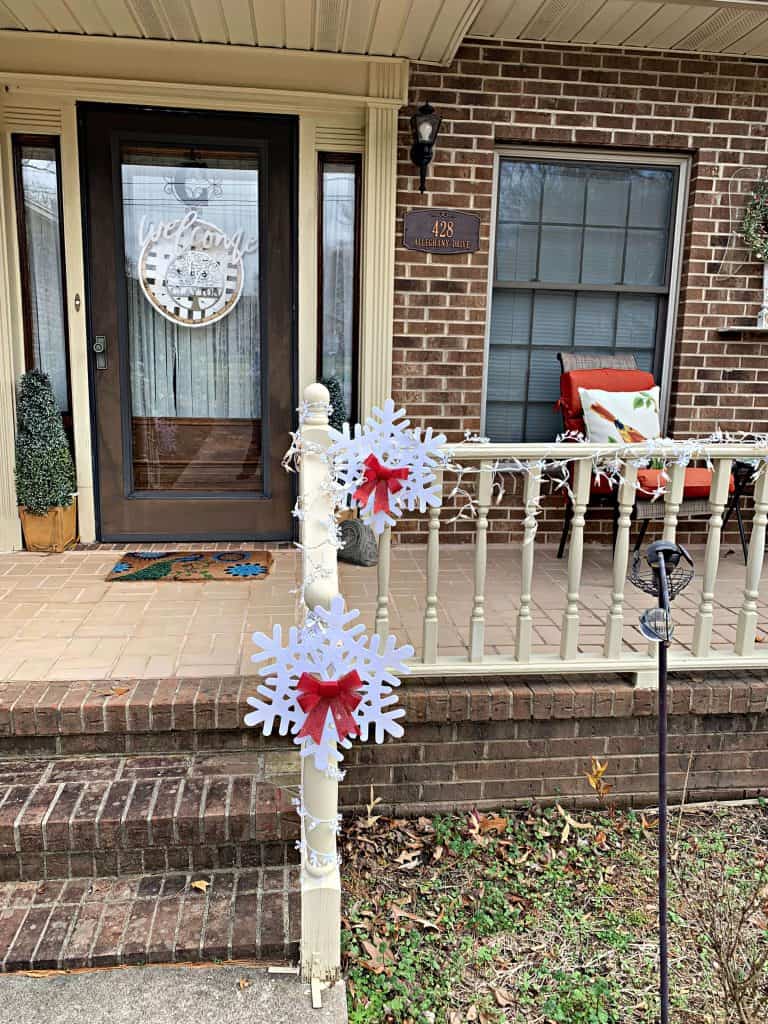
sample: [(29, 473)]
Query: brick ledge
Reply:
[(167, 705)]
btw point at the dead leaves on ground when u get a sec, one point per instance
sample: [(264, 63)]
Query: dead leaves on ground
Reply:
[(406, 844), (474, 1013), (380, 955), (115, 691), (410, 846), (570, 822), (482, 826), (503, 996)]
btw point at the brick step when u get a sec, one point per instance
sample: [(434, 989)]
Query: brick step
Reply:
[(158, 918), (125, 815), (129, 716)]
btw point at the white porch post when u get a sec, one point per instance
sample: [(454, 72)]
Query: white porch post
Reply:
[(10, 529), (321, 883), (378, 274)]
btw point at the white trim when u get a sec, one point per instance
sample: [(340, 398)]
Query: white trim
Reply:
[(489, 289), (582, 155)]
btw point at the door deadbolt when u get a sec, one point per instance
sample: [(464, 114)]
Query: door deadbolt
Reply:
[(99, 349)]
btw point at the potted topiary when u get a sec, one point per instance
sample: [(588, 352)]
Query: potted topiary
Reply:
[(337, 417), (45, 474), (338, 414)]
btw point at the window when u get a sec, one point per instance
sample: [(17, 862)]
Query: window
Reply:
[(338, 287), (583, 262), (38, 206)]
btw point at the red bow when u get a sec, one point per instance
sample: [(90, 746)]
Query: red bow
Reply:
[(383, 480), (319, 696)]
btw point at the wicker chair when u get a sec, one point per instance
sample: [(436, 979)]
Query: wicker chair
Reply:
[(626, 377)]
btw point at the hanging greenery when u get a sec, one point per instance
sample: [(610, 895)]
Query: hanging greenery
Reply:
[(338, 416), (45, 474), (755, 223)]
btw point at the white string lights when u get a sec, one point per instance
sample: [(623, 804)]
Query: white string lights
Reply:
[(310, 821), (607, 465), (314, 857)]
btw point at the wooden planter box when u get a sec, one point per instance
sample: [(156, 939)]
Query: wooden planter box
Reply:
[(54, 531)]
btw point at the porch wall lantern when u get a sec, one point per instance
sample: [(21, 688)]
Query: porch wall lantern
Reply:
[(425, 125)]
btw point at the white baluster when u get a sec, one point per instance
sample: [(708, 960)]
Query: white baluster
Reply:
[(615, 625), (524, 637), (746, 625), (431, 621), (718, 495), (580, 486), (477, 618), (382, 584), (672, 500)]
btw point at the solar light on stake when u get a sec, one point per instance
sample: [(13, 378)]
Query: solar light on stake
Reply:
[(664, 576)]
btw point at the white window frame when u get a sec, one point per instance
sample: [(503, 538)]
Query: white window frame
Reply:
[(586, 155)]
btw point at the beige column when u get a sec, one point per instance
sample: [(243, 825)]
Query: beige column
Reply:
[(307, 254), (321, 881), (76, 320), (10, 530), (378, 271)]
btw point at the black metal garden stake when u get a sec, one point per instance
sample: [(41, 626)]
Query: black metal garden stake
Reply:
[(666, 578)]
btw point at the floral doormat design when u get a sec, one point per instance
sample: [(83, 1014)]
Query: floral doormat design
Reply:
[(191, 565)]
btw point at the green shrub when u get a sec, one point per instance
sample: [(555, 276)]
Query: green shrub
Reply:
[(45, 474), (338, 416)]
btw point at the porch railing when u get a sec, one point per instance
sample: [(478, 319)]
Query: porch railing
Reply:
[(615, 655), (320, 882)]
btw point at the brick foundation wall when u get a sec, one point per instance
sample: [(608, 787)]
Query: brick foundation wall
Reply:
[(485, 743), (506, 743), (712, 109)]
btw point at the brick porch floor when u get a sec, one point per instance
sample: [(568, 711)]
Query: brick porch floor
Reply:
[(59, 620)]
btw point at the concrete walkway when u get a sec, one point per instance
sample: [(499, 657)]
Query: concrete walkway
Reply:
[(167, 995)]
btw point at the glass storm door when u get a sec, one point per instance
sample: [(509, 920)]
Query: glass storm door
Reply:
[(191, 277)]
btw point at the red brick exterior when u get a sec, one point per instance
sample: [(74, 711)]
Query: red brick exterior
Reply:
[(485, 742), (505, 743), (713, 110)]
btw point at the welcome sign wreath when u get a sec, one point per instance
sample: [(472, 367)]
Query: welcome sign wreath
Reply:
[(190, 270)]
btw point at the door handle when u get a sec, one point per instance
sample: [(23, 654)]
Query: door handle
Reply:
[(99, 348)]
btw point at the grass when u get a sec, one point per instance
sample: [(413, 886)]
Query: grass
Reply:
[(540, 916)]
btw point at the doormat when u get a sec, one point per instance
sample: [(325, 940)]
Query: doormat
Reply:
[(191, 565)]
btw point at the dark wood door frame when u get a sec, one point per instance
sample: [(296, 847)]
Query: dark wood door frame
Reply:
[(204, 515)]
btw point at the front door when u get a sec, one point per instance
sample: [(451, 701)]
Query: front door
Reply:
[(190, 240)]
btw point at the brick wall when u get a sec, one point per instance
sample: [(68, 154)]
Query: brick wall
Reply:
[(714, 110), (505, 743)]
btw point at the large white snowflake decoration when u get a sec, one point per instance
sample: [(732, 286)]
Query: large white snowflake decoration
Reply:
[(385, 468), (331, 646)]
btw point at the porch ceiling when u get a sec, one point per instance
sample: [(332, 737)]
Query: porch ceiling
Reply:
[(420, 30), (738, 27), (427, 30)]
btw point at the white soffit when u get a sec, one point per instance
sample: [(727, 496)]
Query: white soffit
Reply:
[(734, 27), (424, 30)]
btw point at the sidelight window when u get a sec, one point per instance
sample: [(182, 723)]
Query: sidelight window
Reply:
[(41, 258), (338, 276)]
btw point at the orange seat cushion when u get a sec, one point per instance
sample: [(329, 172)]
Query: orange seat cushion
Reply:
[(697, 482), (603, 380)]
